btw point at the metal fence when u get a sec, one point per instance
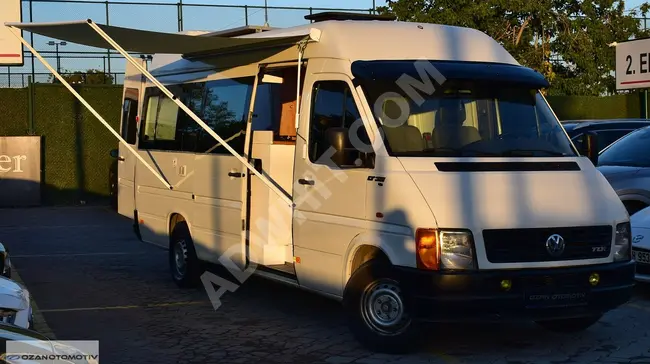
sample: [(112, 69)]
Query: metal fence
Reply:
[(164, 16)]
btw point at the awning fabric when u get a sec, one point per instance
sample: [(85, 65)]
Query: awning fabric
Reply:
[(148, 42)]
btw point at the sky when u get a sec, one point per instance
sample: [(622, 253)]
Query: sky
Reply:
[(164, 18)]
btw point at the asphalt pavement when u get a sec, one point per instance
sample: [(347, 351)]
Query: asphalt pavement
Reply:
[(93, 280)]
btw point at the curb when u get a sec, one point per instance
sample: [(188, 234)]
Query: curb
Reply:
[(39, 320)]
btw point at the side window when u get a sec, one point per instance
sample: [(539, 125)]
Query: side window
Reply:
[(130, 116), (226, 110), (607, 137), (335, 123)]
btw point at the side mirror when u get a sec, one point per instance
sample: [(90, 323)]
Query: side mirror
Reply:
[(115, 153), (590, 147), (338, 139)]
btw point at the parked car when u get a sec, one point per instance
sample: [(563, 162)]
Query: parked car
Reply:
[(608, 130), (5, 262), (640, 224), (15, 304), (626, 165), (37, 344)]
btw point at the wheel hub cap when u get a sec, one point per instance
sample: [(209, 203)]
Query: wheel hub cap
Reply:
[(180, 257), (383, 308)]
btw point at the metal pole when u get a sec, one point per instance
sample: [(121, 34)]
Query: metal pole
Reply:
[(374, 6), (108, 51), (266, 180), (180, 15), (9, 76), (58, 61), (266, 13), (74, 92), (246, 13), (30, 102), (31, 39)]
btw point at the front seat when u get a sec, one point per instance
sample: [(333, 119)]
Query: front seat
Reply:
[(449, 131)]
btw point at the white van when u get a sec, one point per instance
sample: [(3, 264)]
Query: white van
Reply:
[(413, 171)]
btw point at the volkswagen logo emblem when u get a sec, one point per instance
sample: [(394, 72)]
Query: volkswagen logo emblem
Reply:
[(555, 245)]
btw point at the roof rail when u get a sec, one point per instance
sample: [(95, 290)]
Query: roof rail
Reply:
[(334, 15)]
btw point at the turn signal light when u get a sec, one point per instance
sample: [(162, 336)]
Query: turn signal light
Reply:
[(428, 252)]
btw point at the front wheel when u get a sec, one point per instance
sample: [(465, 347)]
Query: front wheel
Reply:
[(570, 325), (378, 311)]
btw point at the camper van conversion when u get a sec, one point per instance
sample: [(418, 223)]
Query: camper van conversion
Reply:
[(415, 172)]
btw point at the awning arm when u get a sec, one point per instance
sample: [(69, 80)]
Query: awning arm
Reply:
[(56, 74), (189, 112)]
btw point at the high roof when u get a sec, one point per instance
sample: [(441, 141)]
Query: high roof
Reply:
[(375, 40)]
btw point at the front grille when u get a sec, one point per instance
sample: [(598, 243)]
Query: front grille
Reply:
[(529, 245)]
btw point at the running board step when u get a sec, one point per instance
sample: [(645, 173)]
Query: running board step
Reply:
[(286, 269)]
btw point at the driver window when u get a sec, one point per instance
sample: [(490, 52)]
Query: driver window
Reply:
[(335, 124)]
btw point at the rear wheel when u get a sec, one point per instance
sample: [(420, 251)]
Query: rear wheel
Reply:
[(570, 325), (379, 314), (184, 266)]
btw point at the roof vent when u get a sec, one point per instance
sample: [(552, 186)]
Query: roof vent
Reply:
[(333, 15)]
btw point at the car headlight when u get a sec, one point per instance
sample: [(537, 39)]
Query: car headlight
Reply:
[(445, 249), (623, 242)]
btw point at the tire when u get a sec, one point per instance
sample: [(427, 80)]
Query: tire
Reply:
[(184, 266), (572, 325), (388, 326)]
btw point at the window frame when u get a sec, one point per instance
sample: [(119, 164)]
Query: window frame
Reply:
[(129, 121), (306, 125)]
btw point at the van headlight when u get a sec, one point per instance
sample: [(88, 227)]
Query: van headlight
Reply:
[(445, 249), (457, 250), (623, 242)]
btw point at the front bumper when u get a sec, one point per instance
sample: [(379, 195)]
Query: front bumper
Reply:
[(535, 294), (642, 273)]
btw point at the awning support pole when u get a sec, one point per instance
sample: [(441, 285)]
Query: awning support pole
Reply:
[(189, 112), (87, 105)]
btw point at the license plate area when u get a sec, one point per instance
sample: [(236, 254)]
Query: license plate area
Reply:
[(641, 256), (556, 292)]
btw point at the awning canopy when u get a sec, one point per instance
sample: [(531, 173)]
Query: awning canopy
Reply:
[(148, 42)]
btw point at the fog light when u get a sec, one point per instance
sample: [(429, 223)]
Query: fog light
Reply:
[(506, 284), (594, 279)]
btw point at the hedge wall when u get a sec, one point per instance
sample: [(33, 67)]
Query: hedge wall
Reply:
[(591, 107), (76, 160)]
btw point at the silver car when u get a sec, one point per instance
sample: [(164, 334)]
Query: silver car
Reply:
[(626, 165)]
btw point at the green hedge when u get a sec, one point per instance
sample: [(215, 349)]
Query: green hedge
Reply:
[(13, 112), (76, 160), (592, 107)]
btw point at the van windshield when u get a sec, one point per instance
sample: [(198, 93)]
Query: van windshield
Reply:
[(466, 119)]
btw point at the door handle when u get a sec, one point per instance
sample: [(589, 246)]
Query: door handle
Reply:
[(121, 159), (303, 181), (235, 174)]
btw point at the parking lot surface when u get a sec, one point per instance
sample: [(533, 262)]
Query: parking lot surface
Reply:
[(93, 280)]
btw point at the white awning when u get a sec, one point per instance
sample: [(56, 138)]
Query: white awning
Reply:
[(148, 42)]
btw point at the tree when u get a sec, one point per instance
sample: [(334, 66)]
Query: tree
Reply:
[(565, 40), (90, 77)]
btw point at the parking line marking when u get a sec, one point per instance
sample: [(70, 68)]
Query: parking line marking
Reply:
[(153, 305), (78, 254)]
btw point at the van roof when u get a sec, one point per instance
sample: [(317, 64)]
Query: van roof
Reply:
[(393, 40)]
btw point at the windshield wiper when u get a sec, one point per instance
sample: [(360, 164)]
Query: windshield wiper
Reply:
[(531, 152)]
